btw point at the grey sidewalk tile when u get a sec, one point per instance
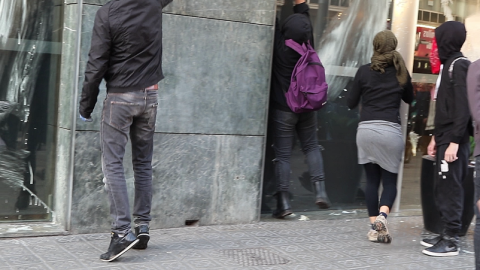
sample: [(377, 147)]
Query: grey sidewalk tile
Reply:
[(291, 248), (19, 260), (69, 239), (304, 257), (70, 264), (36, 266), (203, 263), (142, 266), (107, 266), (262, 233), (9, 251), (315, 244), (273, 240), (177, 265), (251, 243), (351, 263), (189, 254)]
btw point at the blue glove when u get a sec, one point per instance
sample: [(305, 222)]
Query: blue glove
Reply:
[(86, 119)]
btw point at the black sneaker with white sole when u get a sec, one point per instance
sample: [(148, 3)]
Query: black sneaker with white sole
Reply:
[(447, 246), (430, 242), (118, 246), (142, 233)]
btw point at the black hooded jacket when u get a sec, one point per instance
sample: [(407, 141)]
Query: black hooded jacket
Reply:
[(452, 115), (299, 28), (126, 49)]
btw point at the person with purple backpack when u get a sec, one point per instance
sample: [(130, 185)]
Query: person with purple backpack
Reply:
[(379, 87), (285, 121)]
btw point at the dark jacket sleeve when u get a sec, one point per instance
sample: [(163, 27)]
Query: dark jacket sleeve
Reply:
[(278, 39), (460, 111), (165, 3), (407, 95), (97, 64), (303, 8), (354, 94), (473, 89)]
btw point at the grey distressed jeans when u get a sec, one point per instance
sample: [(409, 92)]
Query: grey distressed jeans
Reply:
[(132, 113)]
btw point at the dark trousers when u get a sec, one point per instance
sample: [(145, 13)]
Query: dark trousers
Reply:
[(128, 114), (286, 124), (449, 193), (476, 240), (375, 176)]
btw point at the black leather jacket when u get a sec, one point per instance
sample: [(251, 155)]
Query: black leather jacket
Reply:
[(126, 49)]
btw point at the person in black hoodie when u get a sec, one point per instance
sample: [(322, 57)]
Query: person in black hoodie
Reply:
[(285, 122), (450, 143)]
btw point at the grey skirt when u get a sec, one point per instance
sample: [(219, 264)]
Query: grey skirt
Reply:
[(380, 142)]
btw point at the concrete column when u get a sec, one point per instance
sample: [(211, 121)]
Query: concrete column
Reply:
[(404, 26)]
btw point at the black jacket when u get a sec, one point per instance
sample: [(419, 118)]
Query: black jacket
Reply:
[(452, 115), (126, 49), (380, 94), (299, 28), (473, 88)]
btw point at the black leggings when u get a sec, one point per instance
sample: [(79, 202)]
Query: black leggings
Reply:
[(375, 175)]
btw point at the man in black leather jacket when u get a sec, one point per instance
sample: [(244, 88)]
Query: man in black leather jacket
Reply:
[(126, 51)]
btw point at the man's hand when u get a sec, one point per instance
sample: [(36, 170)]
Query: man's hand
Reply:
[(86, 119), (299, 2), (451, 152), (432, 149)]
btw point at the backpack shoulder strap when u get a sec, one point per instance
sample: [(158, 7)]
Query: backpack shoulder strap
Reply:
[(295, 46), (450, 68)]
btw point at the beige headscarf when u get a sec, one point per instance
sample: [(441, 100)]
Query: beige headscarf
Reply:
[(384, 55)]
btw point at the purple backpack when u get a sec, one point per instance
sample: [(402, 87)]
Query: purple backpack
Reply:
[(308, 87)]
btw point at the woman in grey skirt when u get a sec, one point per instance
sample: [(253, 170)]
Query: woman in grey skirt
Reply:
[(380, 86)]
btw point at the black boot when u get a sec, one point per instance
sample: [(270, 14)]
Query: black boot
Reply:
[(283, 205), (321, 198)]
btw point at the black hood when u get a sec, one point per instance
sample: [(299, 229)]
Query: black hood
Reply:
[(450, 37), (297, 27)]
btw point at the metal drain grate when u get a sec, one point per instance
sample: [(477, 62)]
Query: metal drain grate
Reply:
[(254, 256)]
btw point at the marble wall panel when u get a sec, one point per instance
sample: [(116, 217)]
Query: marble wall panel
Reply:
[(215, 83), (249, 11), (216, 76), (212, 179), (90, 209)]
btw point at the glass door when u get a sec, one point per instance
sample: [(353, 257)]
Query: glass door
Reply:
[(343, 37)]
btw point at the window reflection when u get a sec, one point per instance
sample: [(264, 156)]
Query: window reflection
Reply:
[(29, 55)]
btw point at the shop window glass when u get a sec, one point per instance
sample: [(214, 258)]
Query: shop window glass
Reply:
[(30, 50)]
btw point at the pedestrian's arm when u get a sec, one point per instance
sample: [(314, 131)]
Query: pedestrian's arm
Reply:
[(97, 64), (407, 94), (354, 94), (460, 110)]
